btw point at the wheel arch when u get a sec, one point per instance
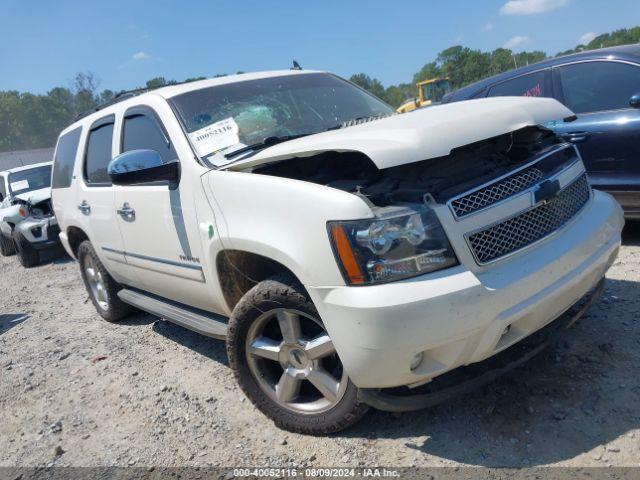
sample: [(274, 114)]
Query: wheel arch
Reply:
[(76, 236), (239, 270)]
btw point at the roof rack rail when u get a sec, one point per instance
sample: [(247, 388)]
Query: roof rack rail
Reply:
[(118, 97), (124, 94)]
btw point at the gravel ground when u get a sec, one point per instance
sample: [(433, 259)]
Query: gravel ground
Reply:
[(78, 391)]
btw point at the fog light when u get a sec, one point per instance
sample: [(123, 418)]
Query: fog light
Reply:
[(36, 232), (416, 360)]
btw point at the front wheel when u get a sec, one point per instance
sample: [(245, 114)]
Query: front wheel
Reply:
[(285, 362), (7, 247), (27, 255)]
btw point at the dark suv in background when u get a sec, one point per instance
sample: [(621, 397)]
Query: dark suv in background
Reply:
[(602, 87)]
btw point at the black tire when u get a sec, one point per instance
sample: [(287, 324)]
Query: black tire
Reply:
[(278, 293), (7, 248), (114, 308), (27, 255)]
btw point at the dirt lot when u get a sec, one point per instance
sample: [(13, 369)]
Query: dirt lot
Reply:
[(75, 390)]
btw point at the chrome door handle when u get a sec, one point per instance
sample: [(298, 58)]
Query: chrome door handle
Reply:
[(85, 208), (126, 212)]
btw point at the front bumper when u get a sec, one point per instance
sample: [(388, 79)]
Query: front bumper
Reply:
[(41, 233), (466, 379), (457, 317)]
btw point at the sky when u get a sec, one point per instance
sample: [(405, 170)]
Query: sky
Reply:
[(124, 43)]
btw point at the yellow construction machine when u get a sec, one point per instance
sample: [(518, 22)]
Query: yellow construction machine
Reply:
[(429, 92)]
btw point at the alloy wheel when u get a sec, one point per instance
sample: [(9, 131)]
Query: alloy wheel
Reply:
[(96, 283), (294, 361)]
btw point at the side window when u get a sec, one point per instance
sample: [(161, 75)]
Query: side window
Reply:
[(142, 131), (532, 85), (596, 86), (3, 189), (65, 159), (98, 153)]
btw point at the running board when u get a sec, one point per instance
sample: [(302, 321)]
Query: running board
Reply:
[(199, 321)]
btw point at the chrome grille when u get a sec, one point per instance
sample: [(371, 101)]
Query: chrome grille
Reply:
[(495, 192), (526, 228)]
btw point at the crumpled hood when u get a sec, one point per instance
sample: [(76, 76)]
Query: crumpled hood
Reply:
[(35, 196), (422, 134)]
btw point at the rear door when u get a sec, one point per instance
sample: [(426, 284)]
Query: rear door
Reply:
[(96, 200), (607, 130)]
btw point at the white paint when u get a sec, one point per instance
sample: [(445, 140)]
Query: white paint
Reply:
[(456, 314), (422, 134)]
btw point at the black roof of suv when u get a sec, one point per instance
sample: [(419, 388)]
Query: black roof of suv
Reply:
[(626, 52)]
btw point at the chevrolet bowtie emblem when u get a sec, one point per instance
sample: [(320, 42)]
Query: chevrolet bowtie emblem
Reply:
[(546, 191)]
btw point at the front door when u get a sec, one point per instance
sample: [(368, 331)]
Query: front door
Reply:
[(607, 130), (159, 224)]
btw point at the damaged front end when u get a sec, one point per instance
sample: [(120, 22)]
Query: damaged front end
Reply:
[(433, 180), (30, 217), (20, 209), (406, 238)]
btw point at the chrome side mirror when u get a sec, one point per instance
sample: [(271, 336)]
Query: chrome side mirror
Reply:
[(139, 167)]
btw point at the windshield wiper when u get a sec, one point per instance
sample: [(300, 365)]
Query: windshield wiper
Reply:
[(267, 142)]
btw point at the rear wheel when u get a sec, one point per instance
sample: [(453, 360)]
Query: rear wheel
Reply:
[(102, 288), (27, 255), (285, 361), (7, 248)]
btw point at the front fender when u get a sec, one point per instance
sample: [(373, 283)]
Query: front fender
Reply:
[(11, 214), (283, 219)]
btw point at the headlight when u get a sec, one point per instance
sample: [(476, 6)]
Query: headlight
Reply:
[(399, 243)]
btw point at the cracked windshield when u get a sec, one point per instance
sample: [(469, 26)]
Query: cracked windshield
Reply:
[(255, 112)]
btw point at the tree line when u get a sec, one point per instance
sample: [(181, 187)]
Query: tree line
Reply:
[(30, 121)]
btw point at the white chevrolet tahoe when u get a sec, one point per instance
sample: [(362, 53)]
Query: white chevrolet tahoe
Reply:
[(341, 250)]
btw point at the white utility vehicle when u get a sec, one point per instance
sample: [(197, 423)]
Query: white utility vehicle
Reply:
[(340, 249), (27, 223)]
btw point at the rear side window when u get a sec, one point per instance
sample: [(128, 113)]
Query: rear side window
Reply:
[(532, 85), (142, 132), (597, 86), (65, 159), (98, 153)]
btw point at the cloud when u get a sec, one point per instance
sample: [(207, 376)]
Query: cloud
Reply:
[(140, 56), (517, 41), (531, 7), (487, 27), (587, 37)]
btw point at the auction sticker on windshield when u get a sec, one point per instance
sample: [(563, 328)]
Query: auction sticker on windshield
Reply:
[(215, 137), (19, 185)]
